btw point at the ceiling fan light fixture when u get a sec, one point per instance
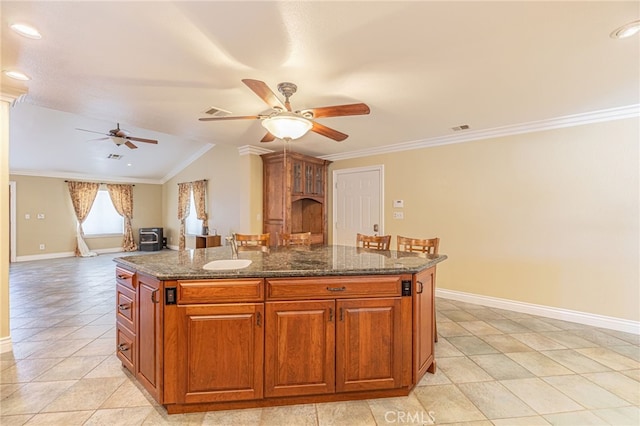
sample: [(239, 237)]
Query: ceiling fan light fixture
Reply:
[(26, 30), (117, 140), (287, 125), (626, 30), (16, 75)]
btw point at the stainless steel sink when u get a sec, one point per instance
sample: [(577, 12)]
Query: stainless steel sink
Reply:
[(226, 264)]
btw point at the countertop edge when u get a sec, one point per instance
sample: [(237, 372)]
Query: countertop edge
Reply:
[(275, 274)]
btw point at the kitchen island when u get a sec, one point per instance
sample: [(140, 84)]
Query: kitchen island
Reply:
[(297, 325)]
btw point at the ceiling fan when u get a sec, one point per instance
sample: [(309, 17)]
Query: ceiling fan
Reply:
[(120, 137), (283, 123)]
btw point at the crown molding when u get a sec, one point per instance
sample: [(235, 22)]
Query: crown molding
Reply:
[(252, 150), (12, 95), (496, 132), (83, 177)]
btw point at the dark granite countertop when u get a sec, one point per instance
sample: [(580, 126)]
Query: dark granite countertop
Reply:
[(280, 262)]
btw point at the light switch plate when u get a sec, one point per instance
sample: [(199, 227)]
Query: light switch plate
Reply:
[(398, 215), (398, 204)]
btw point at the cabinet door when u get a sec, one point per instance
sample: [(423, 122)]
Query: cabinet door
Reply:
[(149, 335), (297, 170), (221, 351), (368, 344), (423, 323), (299, 348)]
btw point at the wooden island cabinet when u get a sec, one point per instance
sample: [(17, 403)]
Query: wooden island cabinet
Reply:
[(226, 342)]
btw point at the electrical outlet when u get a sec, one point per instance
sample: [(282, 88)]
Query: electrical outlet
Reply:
[(41, 246), (398, 215)]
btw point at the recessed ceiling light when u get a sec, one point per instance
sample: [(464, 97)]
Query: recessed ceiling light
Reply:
[(626, 30), (16, 75), (26, 31)]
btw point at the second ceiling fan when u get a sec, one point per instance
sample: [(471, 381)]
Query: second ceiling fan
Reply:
[(286, 124)]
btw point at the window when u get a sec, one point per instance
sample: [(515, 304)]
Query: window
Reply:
[(193, 225), (103, 219)]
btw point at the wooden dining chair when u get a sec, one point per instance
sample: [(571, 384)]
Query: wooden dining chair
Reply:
[(252, 240), (420, 245), (428, 245), (376, 242), (295, 239)]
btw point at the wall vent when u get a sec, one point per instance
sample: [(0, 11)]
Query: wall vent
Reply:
[(115, 156), (217, 112), (460, 127)]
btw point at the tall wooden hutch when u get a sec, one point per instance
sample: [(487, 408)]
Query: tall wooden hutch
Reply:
[(295, 195)]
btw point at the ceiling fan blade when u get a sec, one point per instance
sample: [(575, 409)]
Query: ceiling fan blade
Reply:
[(93, 131), (268, 138), (328, 132), (98, 139), (232, 117), (339, 110), (130, 145), (262, 90), (141, 140)]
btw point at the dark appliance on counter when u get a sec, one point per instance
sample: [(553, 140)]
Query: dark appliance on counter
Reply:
[(151, 239)]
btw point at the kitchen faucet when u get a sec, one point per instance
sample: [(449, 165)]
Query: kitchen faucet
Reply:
[(231, 240)]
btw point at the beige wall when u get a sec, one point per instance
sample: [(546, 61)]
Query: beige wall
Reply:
[(549, 218), (4, 219), (231, 188), (57, 231)]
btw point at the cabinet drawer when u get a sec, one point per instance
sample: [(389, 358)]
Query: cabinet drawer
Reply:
[(125, 277), (125, 306), (333, 287), (125, 347), (216, 291)]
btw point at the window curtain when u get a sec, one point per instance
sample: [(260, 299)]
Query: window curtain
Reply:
[(200, 200), (82, 196), (122, 199), (184, 197)]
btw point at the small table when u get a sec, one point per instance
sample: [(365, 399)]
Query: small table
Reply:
[(204, 241)]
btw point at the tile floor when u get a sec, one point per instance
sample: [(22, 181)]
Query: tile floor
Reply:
[(495, 367)]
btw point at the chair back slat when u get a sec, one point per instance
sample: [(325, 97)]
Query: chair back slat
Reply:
[(376, 242)]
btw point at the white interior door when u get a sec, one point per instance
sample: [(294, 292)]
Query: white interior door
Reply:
[(357, 203)]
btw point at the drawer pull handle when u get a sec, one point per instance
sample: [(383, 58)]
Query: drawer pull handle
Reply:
[(330, 314), (124, 306), (421, 287), (336, 288), (258, 319), (122, 347), (153, 296), (122, 277)]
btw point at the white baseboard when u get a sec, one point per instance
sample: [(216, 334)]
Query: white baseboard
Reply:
[(5, 345), (63, 254), (595, 320)]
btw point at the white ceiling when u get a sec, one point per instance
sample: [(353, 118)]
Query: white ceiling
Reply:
[(422, 67)]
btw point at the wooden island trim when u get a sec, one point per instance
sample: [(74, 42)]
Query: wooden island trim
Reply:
[(257, 342)]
